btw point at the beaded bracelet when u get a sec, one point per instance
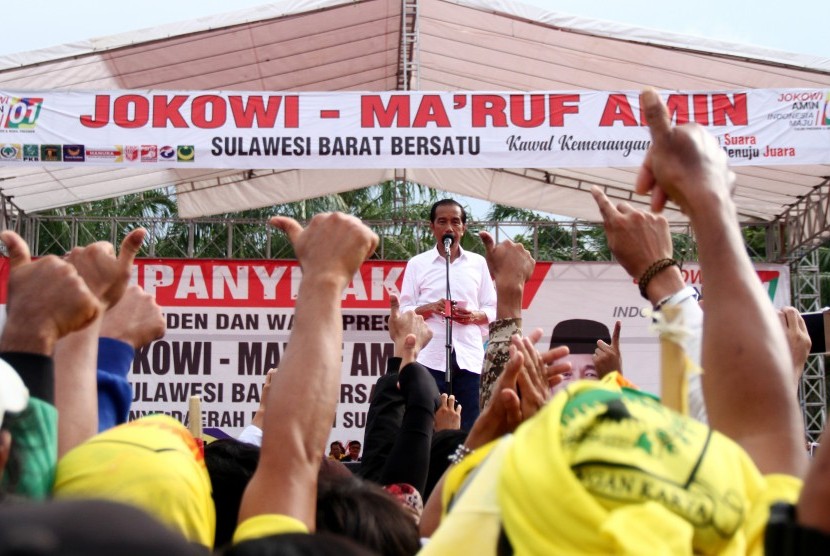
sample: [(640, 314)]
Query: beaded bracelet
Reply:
[(652, 271), (460, 453)]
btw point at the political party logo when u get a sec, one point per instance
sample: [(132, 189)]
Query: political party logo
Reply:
[(185, 153), (73, 153), (167, 152), (149, 153), (769, 278), (11, 152), (108, 154), (131, 153), (19, 113), (31, 153), (826, 113), (50, 153)]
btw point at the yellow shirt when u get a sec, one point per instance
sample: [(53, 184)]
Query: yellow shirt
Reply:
[(153, 463), (266, 525)]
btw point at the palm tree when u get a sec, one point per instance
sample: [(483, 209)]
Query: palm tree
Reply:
[(400, 210)]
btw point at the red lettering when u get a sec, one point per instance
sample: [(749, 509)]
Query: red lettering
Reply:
[(244, 114), (292, 111), (617, 108), (489, 106), (432, 110), (168, 111), (372, 110), (537, 110), (723, 108), (558, 108), (137, 104), (678, 107), (691, 276), (218, 111), (102, 113)]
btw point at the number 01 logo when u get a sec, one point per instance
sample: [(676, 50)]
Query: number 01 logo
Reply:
[(22, 113)]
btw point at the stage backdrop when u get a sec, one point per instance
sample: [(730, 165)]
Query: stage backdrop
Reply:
[(228, 321)]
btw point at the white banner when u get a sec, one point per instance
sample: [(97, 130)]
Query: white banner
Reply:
[(228, 321), (218, 129)]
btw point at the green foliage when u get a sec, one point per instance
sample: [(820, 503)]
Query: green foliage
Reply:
[(243, 235), (755, 239)]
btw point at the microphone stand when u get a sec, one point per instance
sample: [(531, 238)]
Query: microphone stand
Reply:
[(448, 321)]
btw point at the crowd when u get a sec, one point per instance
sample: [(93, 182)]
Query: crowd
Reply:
[(565, 457)]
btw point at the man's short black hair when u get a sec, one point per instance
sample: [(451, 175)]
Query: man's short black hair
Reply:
[(444, 202), (353, 442)]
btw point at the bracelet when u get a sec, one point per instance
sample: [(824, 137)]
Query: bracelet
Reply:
[(652, 271), (460, 453)]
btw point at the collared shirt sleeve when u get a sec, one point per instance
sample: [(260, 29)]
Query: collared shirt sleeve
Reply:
[(487, 294), (409, 295), (687, 300)]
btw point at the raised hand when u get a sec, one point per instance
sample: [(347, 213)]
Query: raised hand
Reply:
[(520, 391), (105, 274), (333, 246), (511, 266), (136, 319), (684, 164), (636, 238), (508, 261), (330, 251), (798, 339), (47, 299), (408, 331), (448, 414), (607, 358)]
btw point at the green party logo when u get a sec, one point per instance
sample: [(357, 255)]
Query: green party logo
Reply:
[(10, 152)]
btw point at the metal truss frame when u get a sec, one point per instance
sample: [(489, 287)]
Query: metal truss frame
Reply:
[(803, 226), (813, 388)]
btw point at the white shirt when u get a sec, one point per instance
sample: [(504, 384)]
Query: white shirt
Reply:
[(692, 318), (425, 281)]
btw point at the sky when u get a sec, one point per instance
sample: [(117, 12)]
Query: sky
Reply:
[(799, 27)]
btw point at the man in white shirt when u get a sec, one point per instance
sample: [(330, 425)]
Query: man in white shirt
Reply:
[(424, 291)]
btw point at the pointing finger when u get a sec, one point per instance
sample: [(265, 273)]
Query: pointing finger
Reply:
[(605, 207), (657, 116), (394, 306), (615, 337), (18, 249)]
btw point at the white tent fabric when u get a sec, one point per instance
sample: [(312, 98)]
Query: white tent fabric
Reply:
[(339, 45)]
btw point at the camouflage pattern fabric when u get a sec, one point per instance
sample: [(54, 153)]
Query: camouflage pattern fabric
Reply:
[(497, 354)]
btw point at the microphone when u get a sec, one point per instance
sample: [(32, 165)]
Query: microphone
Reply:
[(447, 239)]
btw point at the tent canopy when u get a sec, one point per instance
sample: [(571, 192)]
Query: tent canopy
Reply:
[(381, 45)]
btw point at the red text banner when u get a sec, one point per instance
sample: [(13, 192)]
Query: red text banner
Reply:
[(216, 129)]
